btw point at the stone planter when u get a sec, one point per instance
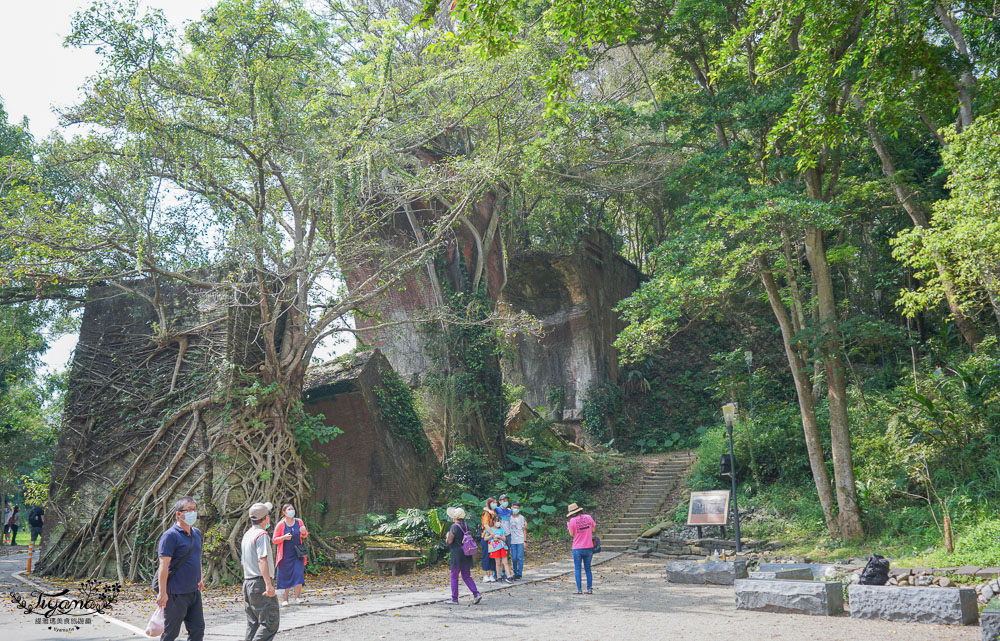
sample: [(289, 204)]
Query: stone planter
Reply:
[(989, 622), (792, 574)]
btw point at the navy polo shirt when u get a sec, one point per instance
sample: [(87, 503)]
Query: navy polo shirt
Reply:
[(175, 543)]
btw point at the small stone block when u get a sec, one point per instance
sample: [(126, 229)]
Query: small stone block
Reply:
[(946, 606), (988, 573), (702, 572), (967, 570), (817, 569), (792, 574), (820, 598), (989, 622)]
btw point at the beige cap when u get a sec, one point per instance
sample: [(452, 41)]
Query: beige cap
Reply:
[(455, 513), (260, 510)]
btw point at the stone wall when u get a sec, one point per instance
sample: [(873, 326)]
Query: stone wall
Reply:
[(573, 295), (367, 468)]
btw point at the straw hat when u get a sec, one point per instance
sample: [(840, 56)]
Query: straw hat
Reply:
[(455, 513), (573, 509)]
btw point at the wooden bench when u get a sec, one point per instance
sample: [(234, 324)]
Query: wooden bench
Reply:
[(395, 562)]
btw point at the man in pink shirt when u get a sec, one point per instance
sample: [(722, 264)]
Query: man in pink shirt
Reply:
[(581, 526)]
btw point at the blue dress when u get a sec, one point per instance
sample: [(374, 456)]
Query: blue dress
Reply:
[(291, 570)]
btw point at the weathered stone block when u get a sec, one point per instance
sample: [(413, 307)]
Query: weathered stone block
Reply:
[(949, 606), (819, 598), (712, 572), (989, 622), (817, 569), (791, 574)]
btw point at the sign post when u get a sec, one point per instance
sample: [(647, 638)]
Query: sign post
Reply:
[(729, 413)]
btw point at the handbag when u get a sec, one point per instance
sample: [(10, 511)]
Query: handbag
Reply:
[(301, 551), (597, 545)]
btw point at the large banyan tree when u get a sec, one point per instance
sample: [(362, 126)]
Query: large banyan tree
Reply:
[(245, 165)]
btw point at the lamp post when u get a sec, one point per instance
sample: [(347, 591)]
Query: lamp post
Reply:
[(729, 413)]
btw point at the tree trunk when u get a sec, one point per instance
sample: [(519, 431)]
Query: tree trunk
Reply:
[(803, 389), (836, 385), (918, 214)]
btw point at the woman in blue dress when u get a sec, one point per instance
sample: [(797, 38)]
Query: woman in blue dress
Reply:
[(291, 565)]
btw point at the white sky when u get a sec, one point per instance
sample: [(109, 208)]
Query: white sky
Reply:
[(37, 73)]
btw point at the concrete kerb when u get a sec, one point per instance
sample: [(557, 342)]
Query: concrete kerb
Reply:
[(292, 620)]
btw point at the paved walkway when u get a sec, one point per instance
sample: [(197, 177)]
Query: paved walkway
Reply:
[(631, 601), (315, 613)]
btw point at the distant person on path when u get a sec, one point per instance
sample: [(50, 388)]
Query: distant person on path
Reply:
[(499, 550), (180, 576), (15, 524), (460, 563), (258, 568), (291, 568), (36, 520), (6, 522), (489, 565), (518, 537), (581, 526)]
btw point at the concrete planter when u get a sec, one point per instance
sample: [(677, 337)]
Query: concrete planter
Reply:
[(946, 606), (793, 574), (818, 598), (989, 622)]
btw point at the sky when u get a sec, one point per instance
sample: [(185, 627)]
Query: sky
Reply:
[(38, 73)]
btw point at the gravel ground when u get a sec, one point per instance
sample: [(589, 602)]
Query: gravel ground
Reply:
[(632, 600)]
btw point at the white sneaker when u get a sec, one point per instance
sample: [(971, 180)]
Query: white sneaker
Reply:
[(284, 604), (298, 601)]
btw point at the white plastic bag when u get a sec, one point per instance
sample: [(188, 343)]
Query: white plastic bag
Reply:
[(156, 622)]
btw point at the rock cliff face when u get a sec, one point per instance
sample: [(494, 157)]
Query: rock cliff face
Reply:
[(573, 295), (370, 467)]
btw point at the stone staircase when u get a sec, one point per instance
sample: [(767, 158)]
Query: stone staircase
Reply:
[(656, 487)]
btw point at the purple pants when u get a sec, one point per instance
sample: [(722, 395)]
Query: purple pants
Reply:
[(467, 577)]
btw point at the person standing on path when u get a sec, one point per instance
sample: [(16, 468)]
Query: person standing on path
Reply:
[(291, 568), (486, 523), (36, 520), (258, 567), (581, 526), (6, 522), (180, 576), (503, 513), (460, 562), (15, 524), (518, 537)]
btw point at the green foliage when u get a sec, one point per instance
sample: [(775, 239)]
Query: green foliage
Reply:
[(602, 404), (398, 410)]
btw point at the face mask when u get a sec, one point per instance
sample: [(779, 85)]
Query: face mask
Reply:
[(516, 510), (290, 512), (504, 504), (190, 517)]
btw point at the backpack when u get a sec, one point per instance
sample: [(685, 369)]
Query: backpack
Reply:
[(469, 545), (34, 519), (876, 572)]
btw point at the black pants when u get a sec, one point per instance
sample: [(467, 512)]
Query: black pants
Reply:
[(36, 532), (186, 609), (13, 534), (262, 611)]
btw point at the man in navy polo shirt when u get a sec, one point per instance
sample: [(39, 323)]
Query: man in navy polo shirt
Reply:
[(180, 574)]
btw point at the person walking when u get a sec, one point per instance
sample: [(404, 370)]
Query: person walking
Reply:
[(15, 524), (257, 559), (180, 574), (518, 537), (6, 522), (581, 526), (486, 523), (36, 520), (291, 568), (460, 562)]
